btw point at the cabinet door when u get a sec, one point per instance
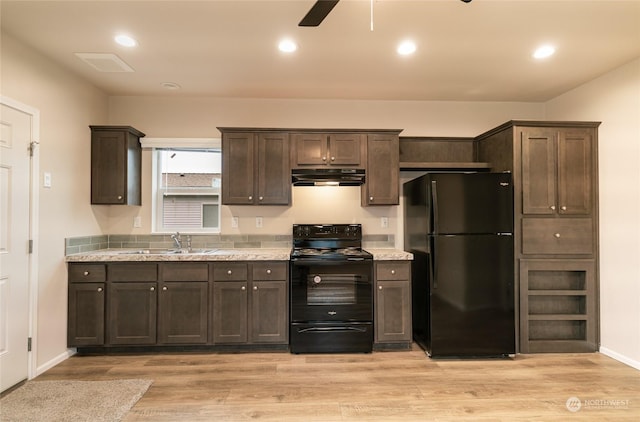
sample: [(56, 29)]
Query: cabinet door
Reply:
[(108, 167), (183, 312), (538, 171), (269, 316), (382, 179), (116, 159), (86, 314), (230, 312), (132, 313), (310, 149), (393, 311), (345, 149), (238, 161), (575, 169), (274, 171)]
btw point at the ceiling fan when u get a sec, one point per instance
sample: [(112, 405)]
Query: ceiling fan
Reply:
[(321, 9)]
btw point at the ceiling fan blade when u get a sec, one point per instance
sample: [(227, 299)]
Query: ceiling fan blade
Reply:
[(318, 12)]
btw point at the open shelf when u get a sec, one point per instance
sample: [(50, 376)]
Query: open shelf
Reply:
[(443, 165)]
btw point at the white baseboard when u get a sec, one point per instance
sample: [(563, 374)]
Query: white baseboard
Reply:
[(621, 358), (56, 360)]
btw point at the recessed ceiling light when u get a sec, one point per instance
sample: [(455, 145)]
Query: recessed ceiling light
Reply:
[(544, 51), (287, 46), (125, 40), (406, 48), (170, 85)]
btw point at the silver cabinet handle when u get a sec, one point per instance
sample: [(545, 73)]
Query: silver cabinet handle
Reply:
[(99, 289), (268, 271), (86, 273), (250, 197), (165, 288), (153, 289), (255, 287), (119, 197), (563, 208), (333, 158), (557, 235), (393, 271), (324, 158), (260, 198), (229, 272), (379, 287), (371, 198), (243, 288), (552, 207)]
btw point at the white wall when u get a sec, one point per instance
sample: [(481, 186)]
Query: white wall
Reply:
[(614, 99), (67, 106), (199, 116)]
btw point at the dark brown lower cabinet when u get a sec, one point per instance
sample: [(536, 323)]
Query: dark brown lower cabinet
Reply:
[(132, 313), (183, 312), (230, 312), (558, 305), (250, 303), (392, 302), (86, 314)]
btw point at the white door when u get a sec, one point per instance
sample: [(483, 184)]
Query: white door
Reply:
[(15, 142)]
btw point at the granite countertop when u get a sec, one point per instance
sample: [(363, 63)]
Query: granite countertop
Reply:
[(241, 254), (384, 254), (136, 255)]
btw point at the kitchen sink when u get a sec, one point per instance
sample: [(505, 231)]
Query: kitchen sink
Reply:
[(161, 251)]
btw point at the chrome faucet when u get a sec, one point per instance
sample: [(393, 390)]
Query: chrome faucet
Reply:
[(178, 241)]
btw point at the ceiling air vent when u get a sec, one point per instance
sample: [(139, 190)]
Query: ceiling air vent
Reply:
[(105, 62)]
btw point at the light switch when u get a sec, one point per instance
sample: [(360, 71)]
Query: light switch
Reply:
[(258, 222), (137, 221), (384, 222), (47, 180), (234, 222)]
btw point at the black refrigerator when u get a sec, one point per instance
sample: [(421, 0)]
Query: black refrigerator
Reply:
[(459, 227)]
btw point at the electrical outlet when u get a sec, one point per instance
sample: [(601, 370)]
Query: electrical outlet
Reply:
[(234, 222), (137, 221), (258, 222), (384, 222)]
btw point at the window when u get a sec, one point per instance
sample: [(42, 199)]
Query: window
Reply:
[(187, 189)]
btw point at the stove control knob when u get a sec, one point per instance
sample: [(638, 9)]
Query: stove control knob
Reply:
[(317, 279)]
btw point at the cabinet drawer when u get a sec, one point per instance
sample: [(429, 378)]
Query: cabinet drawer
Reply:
[(557, 236), (393, 271), (231, 271), (87, 272), (185, 271), (270, 271), (134, 271)]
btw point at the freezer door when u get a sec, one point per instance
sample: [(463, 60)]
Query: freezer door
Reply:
[(471, 203), (471, 298)]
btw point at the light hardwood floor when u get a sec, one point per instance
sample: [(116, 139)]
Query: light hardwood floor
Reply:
[(382, 386)]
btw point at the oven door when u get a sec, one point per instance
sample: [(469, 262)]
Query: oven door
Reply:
[(326, 291)]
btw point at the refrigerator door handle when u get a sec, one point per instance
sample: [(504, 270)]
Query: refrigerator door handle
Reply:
[(434, 264), (434, 205)]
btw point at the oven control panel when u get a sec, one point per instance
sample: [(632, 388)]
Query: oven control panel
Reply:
[(323, 231)]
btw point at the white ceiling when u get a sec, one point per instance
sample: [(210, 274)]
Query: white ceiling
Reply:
[(478, 51)]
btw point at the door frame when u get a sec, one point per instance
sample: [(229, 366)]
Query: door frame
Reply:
[(34, 167)]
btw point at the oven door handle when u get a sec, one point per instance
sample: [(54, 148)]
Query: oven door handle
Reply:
[(331, 329)]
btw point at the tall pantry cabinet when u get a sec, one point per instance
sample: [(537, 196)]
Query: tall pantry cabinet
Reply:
[(554, 167)]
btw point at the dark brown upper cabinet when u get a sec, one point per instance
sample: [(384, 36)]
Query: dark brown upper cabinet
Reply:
[(557, 171), (115, 165), (255, 168), (382, 184), (329, 149)]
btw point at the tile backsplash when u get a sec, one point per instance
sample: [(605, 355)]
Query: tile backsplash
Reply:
[(207, 241)]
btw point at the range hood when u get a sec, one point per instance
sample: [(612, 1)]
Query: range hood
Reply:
[(327, 177)]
